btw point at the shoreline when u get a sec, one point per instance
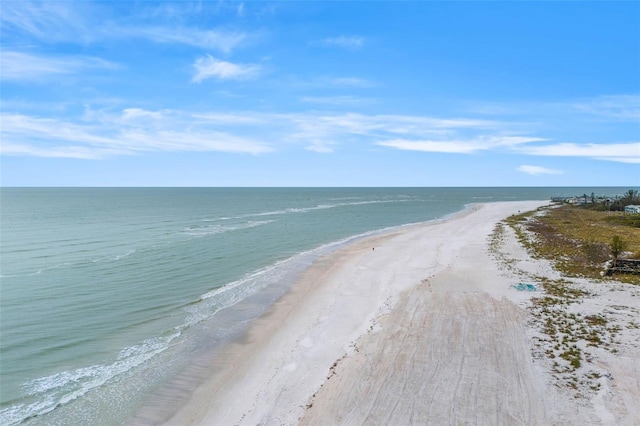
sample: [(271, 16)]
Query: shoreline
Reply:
[(422, 325), (288, 353), (210, 363)]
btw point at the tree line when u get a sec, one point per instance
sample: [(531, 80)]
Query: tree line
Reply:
[(631, 197)]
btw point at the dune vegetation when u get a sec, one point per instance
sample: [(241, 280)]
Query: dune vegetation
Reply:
[(579, 241)]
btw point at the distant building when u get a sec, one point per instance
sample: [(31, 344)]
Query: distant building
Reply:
[(570, 200), (632, 209)]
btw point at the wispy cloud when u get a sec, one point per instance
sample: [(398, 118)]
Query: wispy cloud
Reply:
[(97, 133), (619, 152), (210, 67), (77, 152), (132, 131), (87, 22), (240, 10), (17, 66), (620, 107), (538, 170), (350, 82), (322, 132), (345, 42), (332, 82), (459, 146), (603, 109), (224, 41), (336, 100), (47, 21)]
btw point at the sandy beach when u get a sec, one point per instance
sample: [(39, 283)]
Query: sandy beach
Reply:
[(418, 326)]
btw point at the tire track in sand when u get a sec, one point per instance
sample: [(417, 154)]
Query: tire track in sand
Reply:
[(442, 357)]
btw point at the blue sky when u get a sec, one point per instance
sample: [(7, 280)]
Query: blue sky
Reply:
[(259, 93)]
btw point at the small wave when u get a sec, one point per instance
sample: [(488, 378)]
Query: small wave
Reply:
[(110, 258), (235, 291), (114, 257), (201, 231), (326, 206), (224, 297), (38, 272), (228, 295), (61, 388), (295, 210)]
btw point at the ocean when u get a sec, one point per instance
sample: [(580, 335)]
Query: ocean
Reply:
[(108, 296)]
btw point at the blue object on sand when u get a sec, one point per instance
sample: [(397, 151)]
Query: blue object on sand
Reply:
[(524, 287)]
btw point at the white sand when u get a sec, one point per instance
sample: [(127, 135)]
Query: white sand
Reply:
[(422, 330)]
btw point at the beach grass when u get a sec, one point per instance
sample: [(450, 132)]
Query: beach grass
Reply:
[(576, 240), (577, 243), (567, 336)]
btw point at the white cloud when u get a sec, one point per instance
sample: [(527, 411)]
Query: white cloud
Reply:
[(335, 100), (17, 128), (198, 141), (78, 152), (133, 130), (459, 146), (322, 131), (332, 82), (224, 41), (210, 67), (401, 124), (628, 160), (138, 113), (607, 115), (350, 82), (46, 20), (87, 22), (619, 152), (538, 170), (108, 134), (322, 147), (347, 42), (19, 66), (231, 119)]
